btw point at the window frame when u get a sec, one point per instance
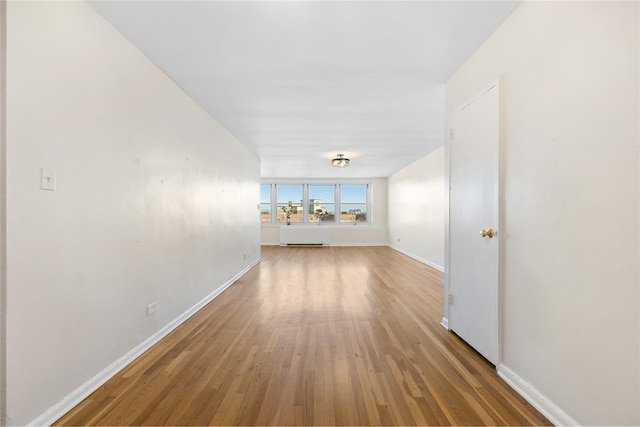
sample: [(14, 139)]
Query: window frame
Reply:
[(273, 183), (367, 206), (274, 213), (308, 200), (270, 203)]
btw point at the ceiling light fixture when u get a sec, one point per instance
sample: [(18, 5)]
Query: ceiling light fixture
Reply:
[(340, 161)]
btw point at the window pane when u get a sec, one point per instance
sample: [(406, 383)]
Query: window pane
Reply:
[(289, 202), (353, 203), (322, 203), (265, 203)]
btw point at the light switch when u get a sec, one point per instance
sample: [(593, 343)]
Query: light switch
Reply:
[(48, 179)]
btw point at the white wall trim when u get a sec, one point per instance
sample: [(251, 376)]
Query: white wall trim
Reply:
[(538, 400), (358, 244), (351, 245), (417, 258), (74, 398), (3, 215), (445, 323)]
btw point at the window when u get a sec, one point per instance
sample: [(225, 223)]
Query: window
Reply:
[(353, 203), (289, 206), (315, 203), (265, 203), (322, 203)]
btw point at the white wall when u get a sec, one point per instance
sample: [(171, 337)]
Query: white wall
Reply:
[(374, 234), (416, 209), (147, 206), (570, 115)]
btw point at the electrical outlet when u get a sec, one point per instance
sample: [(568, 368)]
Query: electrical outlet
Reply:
[(152, 308), (245, 257)]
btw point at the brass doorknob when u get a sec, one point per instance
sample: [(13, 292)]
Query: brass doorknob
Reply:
[(487, 233)]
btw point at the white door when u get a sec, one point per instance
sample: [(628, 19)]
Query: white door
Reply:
[(473, 207)]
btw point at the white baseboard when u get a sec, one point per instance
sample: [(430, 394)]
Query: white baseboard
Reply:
[(445, 323), (74, 398), (337, 244), (538, 400), (357, 244), (417, 258)]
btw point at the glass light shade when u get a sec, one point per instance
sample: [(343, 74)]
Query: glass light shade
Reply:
[(340, 161)]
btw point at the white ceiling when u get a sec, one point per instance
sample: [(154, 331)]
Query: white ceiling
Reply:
[(298, 82)]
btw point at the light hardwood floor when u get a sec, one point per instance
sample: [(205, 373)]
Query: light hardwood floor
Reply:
[(313, 336)]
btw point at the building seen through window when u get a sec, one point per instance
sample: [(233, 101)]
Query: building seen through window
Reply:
[(322, 203), (353, 206), (289, 203), (314, 203)]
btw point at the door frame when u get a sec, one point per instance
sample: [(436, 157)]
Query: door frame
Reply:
[(500, 213), (3, 214)]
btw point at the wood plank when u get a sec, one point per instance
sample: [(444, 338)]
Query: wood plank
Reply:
[(313, 336)]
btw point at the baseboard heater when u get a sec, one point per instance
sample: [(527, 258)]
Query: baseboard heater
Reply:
[(306, 237)]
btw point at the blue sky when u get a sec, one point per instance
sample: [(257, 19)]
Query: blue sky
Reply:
[(322, 192), (289, 193), (265, 193), (354, 193), (286, 193)]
